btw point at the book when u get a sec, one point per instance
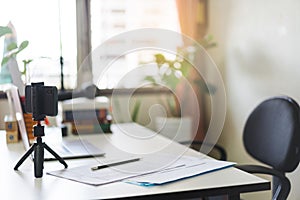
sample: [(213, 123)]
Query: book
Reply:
[(87, 115)]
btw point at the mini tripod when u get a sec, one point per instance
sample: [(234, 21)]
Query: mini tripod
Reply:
[(38, 149)]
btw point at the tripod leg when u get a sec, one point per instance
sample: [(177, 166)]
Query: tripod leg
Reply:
[(56, 155), (38, 160), (25, 156)]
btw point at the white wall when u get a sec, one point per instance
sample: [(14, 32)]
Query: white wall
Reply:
[(259, 56)]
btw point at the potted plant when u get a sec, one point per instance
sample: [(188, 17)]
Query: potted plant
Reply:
[(12, 49), (171, 73)]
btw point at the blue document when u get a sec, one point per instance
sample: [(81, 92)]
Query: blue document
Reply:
[(193, 167)]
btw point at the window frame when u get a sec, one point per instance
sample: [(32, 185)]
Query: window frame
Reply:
[(84, 47), (83, 28)]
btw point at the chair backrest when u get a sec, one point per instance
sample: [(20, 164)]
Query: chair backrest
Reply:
[(272, 133)]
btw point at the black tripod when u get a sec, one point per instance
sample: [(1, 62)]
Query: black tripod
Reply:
[(38, 149)]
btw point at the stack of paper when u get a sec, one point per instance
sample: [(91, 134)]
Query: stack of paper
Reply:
[(150, 170), (189, 170)]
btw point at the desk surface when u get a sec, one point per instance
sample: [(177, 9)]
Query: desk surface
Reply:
[(22, 184)]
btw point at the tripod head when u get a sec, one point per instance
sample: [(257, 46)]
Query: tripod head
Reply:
[(38, 130)]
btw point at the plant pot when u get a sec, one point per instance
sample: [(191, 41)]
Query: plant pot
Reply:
[(177, 129)]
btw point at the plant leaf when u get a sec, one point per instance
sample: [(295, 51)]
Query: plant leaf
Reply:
[(160, 59), (185, 68), (12, 46), (5, 60), (209, 37), (4, 30), (151, 79), (136, 110), (26, 62), (171, 80), (23, 45)]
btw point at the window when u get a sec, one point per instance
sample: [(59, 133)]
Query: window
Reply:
[(38, 22), (112, 17), (48, 24)]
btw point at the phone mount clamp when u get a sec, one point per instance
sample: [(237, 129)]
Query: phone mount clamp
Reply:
[(36, 97)]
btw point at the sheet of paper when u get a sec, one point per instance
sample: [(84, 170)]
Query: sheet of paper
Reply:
[(193, 168), (145, 165), (153, 169)]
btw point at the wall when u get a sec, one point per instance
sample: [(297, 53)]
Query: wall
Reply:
[(258, 55)]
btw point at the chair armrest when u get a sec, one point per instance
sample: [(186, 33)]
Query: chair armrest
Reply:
[(283, 189), (221, 150)]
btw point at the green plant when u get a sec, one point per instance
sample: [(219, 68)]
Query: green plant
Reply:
[(172, 72), (12, 49), (25, 63)]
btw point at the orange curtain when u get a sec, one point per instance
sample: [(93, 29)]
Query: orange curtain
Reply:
[(193, 23), (192, 17)]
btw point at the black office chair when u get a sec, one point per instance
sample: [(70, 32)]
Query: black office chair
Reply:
[(217, 151), (272, 136)]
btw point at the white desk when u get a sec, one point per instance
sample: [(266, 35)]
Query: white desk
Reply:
[(22, 184)]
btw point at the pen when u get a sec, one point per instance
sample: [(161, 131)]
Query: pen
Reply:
[(114, 164)]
